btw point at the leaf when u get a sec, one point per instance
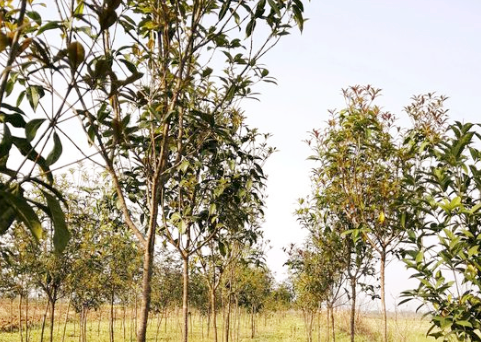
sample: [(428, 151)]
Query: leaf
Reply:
[(222, 248), (4, 42), (5, 145), (464, 324), (48, 26), (35, 17), (223, 9), (130, 66), (32, 127), (27, 151), (274, 6), (34, 94), (61, 234), (183, 226), (250, 27), (56, 152), (24, 213), (76, 54), (16, 120)]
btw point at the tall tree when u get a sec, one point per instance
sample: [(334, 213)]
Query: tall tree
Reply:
[(360, 174)]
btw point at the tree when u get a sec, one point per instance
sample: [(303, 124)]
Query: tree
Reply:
[(318, 272), (443, 240), (359, 174), (150, 85), (341, 256)]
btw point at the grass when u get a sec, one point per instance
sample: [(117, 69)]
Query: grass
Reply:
[(270, 327)]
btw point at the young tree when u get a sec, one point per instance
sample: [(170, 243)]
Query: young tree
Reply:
[(360, 174), (341, 255)]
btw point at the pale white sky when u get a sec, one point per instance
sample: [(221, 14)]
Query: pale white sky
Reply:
[(405, 47)]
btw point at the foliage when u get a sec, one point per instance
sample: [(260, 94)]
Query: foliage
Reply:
[(443, 243)]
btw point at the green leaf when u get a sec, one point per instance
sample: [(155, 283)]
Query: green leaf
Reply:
[(34, 94), (56, 152), (32, 127), (23, 212), (223, 9), (35, 17), (49, 26), (26, 149), (250, 27), (5, 145), (464, 324), (16, 120), (222, 248), (61, 234), (130, 66), (274, 6)]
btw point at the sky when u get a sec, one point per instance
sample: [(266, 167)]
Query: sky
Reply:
[(406, 48)]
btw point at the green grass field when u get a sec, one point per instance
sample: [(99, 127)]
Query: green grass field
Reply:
[(269, 327)]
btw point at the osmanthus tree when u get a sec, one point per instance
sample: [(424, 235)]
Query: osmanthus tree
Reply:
[(150, 81), (443, 241), (342, 256), (359, 174), (318, 272), (218, 257)]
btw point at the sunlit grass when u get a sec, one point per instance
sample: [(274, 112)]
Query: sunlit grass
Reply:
[(269, 327)]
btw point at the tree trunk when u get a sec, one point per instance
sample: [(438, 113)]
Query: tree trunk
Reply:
[(27, 332), (185, 298), (383, 294), (112, 316), (146, 287), (252, 322), (124, 322), (159, 321), (44, 320), (353, 307), (52, 316), (214, 313), (238, 318), (65, 322), (227, 318), (333, 325), (328, 325), (20, 327)]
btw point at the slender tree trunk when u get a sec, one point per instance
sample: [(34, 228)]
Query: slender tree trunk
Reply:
[(66, 321), (383, 294), (27, 332), (146, 279), (124, 322), (227, 318), (238, 318), (214, 313), (20, 326), (185, 298), (112, 316), (319, 322), (353, 307), (159, 321), (52, 316), (328, 324), (44, 320), (252, 322), (333, 326)]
